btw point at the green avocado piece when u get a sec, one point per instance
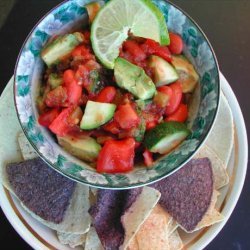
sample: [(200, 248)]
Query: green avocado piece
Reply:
[(164, 73), (134, 79), (165, 137), (85, 148)]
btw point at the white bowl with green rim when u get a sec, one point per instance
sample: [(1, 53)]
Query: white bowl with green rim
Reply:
[(70, 15)]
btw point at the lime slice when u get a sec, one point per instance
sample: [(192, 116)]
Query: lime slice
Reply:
[(119, 17)]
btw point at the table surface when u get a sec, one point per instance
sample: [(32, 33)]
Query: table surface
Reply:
[(226, 24)]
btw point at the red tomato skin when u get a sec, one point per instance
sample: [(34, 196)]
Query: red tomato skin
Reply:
[(180, 115), (60, 126), (175, 99), (133, 48), (116, 156), (82, 51), (112, 127), (48, 117), (74, 90), (151, 124), (126, 116), (176, 44), (150, 47), (148, 158), (57, 97), (166, 90), (106, 95)]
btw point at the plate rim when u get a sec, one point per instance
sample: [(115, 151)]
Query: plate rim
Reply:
[(19, 225)]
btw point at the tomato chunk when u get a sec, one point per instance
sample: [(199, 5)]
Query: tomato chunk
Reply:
[(176, 44), (180, 115), (148, 158), (112, 127), (133, 48), (48, 117), (61, 125), (74, 90), (175, 99), (116, 156), (82, 51), (57, 97), (106, 95), (150, 47), (126, 116)]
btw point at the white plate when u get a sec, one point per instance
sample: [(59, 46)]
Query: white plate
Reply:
[(40, 237)]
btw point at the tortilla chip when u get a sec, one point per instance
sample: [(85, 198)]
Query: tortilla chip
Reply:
[(172, 225), (187, 193), (73, 240), (174, 241), (221, 137), (221, 177), (138, 213), (92, 241), (153, 233), (107, 212), (27, 150)]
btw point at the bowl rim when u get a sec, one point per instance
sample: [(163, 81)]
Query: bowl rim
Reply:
[(152, 179)]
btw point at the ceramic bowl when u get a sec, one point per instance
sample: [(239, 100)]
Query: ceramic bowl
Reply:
[(71, 15)]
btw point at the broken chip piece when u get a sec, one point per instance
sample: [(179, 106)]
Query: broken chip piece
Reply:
[(71, 239), (187, 193)]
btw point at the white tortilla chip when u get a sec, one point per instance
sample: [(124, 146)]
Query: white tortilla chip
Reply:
[(9, 130), (138, 213), (73, 240), (174, 241), (221, 177), (221, 138), (92, 241), (27, 150), (172, 225)]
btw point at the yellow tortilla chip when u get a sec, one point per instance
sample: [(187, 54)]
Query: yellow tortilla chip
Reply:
[(221, 177), (153, 233), (138, 213), (70, 239), (174, 241), (92, 241)]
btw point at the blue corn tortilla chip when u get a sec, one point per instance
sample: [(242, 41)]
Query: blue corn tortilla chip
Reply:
[(186, 194), (41, 189), (107, 213)]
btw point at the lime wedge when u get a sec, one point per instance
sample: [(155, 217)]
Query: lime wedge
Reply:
[(119, 17)]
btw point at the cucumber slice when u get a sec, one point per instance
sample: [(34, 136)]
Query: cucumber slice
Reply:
[(97, 114), (165, 137), (164, 73)]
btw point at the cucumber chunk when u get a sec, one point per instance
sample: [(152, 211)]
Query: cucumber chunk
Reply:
[(164, 73), (97, 114), (165, 137), (134, 79), (85, 148)]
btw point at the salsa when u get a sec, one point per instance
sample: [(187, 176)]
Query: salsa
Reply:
[(110, 118)]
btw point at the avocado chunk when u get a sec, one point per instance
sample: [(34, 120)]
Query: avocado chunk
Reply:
[(61, 47), (164, 73), (134, 79), (85, 148), (165, 137), (188, 76), (97, 114), (55, 80)]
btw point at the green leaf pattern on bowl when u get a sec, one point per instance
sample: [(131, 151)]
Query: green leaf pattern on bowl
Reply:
[(196, 49)]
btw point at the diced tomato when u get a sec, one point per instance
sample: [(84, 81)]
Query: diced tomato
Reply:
[(61, 126), (47, 118), (148, 158), (74, 90), (151, 124), (133, 48), (116, 156), (81, 74), (106, 95), (176, 44), (112, 127), (86, 34), (180, 115), (82, 51), (166, 90), (175, 99), (161, 99), (102, 139), (150, 47), (137, 144), (76, 116), (57, 97), (126, 116)]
